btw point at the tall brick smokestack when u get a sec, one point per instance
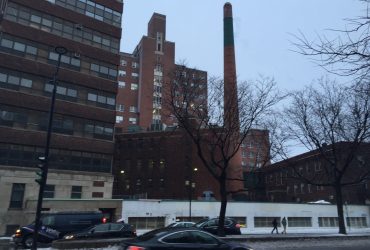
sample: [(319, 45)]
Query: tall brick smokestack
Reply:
[(231, 111)]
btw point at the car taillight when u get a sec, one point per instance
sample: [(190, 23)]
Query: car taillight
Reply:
[(18, 233), (104, 220), (135, 248), (237, 225)]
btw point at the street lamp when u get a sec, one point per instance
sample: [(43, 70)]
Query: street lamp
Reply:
[(45, 159), (191, 185)]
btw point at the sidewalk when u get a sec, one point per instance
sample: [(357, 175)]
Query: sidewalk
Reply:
[(293, 236)]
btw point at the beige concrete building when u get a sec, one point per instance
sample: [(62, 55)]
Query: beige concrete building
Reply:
[(65, 191)]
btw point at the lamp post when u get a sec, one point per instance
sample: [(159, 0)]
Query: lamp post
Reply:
[(191, 185), (45, 159)]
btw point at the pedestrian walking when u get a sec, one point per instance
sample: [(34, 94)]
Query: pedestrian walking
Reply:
[(283, 222), (274, 224)]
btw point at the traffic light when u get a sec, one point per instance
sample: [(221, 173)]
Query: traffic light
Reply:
[(40, 170)]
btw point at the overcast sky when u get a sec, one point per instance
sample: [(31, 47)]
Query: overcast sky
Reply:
[(262, 28)]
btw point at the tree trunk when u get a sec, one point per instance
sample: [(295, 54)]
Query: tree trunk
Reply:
[(221, 219), (338, 193)]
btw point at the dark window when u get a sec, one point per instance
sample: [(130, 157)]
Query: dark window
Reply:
[(76, 192), (97, 194), (16, 199), (203, 238), (49, 191), (98, 183)]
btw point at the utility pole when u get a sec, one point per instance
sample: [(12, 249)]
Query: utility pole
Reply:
[(44, 160)]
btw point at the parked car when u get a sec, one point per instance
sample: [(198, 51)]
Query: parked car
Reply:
[(107, 230), (55, 225), (210, 225), (179, 238), (182, 224)]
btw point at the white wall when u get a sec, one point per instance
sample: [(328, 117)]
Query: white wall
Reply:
[(172, 209)]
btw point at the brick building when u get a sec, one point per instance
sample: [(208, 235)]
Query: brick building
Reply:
[(282, 183), (161, 164), (143, 81), (82, 140)]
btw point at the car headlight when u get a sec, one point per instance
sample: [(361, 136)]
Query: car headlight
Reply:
[(18, 233), (68, 237)]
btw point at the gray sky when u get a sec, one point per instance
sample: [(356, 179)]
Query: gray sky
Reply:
[(262, 30)]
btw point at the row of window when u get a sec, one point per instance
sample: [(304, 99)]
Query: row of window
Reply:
[(36, 120), (131, 120), (156, 222), (60, 27), (27, 49), (123, 73), (18, 190), (91, 9), (138, 183), (133, 86), (37, 85), (134, 65), (121, 108), (27, 156), (307, 221)]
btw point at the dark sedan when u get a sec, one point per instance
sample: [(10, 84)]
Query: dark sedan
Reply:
[(107, 230), (179, 238), (210, 225)]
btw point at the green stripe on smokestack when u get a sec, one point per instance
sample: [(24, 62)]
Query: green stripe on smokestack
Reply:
[(228, 25)]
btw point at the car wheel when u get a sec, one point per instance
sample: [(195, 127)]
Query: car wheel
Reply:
[(28, 241)]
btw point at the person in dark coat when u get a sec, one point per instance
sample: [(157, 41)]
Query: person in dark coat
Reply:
[(283, 222), (274, 224)]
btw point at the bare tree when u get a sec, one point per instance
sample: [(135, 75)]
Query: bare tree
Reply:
[(346, 55), (198, 108), (334, 121)]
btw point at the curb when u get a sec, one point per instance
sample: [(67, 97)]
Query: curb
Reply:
[(295, 237)]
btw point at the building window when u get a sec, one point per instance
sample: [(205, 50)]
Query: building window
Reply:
[(134, 86), (119, 119), (299, 222), (49, 191), (98, 184), (159, 41), (123, 62), (133, 109), (135, 65), (356, 221), (122, 73), (120, 107), (17, 195), (76, 192), (265, 221), (133, 74), (97, 194), (147, 222), (328, 221), (121, 84), (132, 120)]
